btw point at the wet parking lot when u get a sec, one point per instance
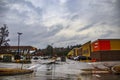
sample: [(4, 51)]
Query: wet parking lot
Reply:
[(45, 70)]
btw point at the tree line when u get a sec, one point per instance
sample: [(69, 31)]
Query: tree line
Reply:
[(57, 51)]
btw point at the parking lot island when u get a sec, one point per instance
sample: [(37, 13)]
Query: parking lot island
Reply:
[(14, 71)]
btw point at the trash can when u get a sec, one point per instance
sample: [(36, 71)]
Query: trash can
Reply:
[(63, 59)]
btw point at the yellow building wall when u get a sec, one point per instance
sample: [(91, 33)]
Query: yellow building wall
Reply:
[(79, 51), (115, 44), (86, 49), (71, 53), (76, 51)]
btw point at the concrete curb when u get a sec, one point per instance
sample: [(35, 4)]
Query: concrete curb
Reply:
[(14, 71)]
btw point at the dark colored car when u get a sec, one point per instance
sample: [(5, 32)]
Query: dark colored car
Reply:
[(83, 58), (35, 58)]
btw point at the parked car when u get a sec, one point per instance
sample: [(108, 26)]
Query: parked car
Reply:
[(35, 58), (81, 58)]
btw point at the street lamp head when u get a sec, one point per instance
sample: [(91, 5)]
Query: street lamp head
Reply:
[(19, 33)]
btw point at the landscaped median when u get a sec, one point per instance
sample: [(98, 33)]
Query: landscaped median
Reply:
[(95, 71), (14, 71), (114, 69)]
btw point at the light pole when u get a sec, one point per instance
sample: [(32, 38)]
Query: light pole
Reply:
[(19, 42), (19, 46)]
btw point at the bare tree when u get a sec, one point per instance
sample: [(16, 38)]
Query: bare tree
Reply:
[(3, 36), (4, 33)]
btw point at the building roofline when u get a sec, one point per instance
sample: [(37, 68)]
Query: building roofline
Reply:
[(86, 43), (20, 47), (104, 39)]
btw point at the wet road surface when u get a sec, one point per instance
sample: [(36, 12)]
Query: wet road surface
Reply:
[(69, 70)]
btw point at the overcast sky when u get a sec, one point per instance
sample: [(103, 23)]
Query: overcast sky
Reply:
[(61, 22)]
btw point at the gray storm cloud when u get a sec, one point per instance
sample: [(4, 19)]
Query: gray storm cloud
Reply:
[(61, 22)]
